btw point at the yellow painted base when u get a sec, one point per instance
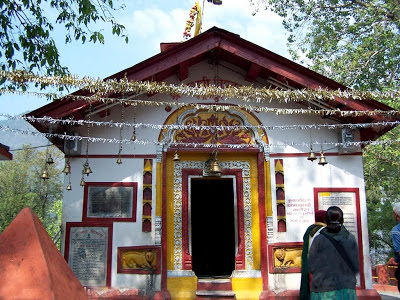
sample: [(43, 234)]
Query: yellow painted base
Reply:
[(182, 287), (185, 288), (247, 288)]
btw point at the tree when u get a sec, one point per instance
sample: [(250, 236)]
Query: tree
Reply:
[(21, 186), (381, 171), (357, 43), (26, 28)]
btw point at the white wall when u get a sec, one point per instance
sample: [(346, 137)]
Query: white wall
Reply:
[(124, 233), (301, 176)]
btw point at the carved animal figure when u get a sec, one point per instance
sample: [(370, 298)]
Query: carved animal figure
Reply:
[(288, 257), (139, 260)]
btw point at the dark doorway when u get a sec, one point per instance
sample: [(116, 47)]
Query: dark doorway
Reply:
[(213, 227)]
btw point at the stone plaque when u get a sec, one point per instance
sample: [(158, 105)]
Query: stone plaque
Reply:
[(88, 254), (110, 201)]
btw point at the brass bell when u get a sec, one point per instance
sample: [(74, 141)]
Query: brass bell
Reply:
[(82, 183), (215, 169), (311, 155), (176, 157), (49, 160), (322, 159), (87, 169), (45, 175), (69, 187), (67, 169), (133, 138), (119, 160)]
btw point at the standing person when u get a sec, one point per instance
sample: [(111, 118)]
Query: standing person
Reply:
[(311, 232), (333, 260), (396, 240)]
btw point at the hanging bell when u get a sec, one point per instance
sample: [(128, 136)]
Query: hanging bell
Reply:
[(176, 157), (322, 159), (311, 155), (82, 183), (69, 187), (133, 138), (45, 175), (67, 169), (119, 160), (87, 169), (215, 169), (49, 160)]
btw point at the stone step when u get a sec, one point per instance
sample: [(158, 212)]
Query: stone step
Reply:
[(212, 284), (219, 295)]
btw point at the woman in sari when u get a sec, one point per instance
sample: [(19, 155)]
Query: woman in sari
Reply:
[(333, 260)]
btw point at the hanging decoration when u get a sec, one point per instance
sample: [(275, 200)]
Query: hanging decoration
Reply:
[(86, 168), (133, 138), (244, 93), (311, 155), (176, 155), (67, 167), (69, 186), (45, 174), (322, 159), (82, 183), (119, 161), (195, 12), (135, 125), (385, 142), (49, 161)]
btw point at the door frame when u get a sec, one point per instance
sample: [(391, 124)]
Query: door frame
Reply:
[(239, 216), (173, 225)]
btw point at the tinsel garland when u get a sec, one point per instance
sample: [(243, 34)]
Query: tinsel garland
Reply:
[(50, 120), (245, 93), (191, 145), (213, 106)]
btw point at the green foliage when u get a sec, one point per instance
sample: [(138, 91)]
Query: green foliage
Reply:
[(381, 171), (21, 186), (355, 42), (27, 25)]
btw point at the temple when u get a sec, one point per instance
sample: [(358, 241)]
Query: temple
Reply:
[(195, 173)]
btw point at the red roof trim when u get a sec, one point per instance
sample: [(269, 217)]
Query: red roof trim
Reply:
[(175, 59), (5, 154)]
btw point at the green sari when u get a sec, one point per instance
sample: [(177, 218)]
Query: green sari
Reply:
[(343, 294)]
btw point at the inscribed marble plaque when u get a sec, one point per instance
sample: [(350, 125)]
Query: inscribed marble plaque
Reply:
[(88, 254), (110, 202)]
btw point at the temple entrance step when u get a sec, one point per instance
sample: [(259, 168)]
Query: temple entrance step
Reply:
[(214, 288), (214, 284), (218, 295)]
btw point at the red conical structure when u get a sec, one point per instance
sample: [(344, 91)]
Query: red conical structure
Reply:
[(31, 267)]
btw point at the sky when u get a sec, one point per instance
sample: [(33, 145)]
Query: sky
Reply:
[(149, 23)]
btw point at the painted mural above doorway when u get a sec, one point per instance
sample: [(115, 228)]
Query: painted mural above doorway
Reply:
[(207, 129)]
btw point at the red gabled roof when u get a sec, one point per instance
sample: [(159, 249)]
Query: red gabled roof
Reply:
[(222, 45)]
